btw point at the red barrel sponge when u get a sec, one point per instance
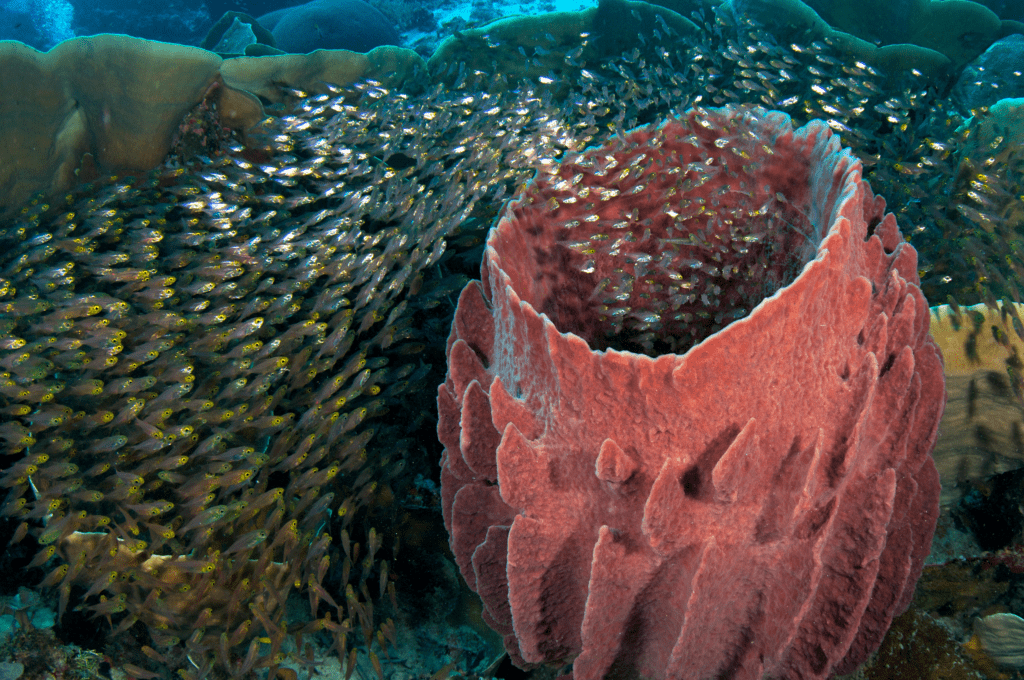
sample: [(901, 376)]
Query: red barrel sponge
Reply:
[(690, 406)]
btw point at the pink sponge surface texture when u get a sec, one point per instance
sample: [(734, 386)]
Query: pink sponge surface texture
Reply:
[(760, 502)]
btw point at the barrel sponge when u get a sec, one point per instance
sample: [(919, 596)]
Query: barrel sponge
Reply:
[(752, 496)]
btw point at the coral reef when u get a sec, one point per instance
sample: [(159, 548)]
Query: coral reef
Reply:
[(38, 655), (958, 29), (958, 588), (994, 75), (73, 101), (794, 20), (431, 153)]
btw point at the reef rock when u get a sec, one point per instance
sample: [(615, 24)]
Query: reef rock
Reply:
[(330, 25), (994, 75)]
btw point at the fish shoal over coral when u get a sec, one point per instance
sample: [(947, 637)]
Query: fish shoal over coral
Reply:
[(197, 361)]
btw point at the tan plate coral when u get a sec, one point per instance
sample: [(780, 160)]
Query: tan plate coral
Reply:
[(117, 99), (110, 104)]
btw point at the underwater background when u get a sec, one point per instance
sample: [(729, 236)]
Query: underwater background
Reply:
[(229, 274)]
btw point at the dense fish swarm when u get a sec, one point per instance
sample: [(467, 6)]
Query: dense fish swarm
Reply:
[(683, 229), (960, 201), (193, 360), (207, 373)]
